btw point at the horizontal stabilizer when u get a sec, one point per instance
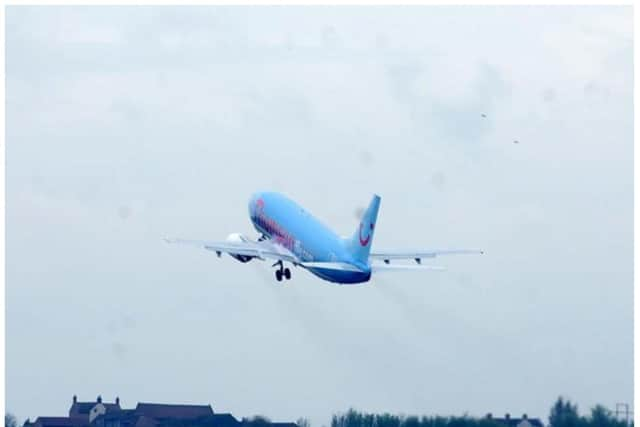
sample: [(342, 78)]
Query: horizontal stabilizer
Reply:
[(389, 255)]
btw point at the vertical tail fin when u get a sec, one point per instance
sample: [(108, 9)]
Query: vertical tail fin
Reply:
[(360, 243)]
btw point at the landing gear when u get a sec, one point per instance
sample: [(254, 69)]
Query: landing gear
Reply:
[(282, 272)]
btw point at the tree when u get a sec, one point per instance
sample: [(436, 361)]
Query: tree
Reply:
[(411, 421), (257, 421), (10, 420), (565, 414), (602, 417), (303, 422)]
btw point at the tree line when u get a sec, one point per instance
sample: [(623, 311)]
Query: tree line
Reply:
[(563, 413)]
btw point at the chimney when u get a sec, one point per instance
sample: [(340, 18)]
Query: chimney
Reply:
[(117, 401), (75, 398), (489, 416), (524, 416), (507, 416), (99, 399)]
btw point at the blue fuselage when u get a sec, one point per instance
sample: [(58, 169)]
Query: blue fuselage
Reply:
[(288, 224)]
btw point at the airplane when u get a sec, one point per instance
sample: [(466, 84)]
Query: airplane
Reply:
[(290, 234)]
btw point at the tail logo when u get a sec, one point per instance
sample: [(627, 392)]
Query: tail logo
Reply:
[(365, 241)]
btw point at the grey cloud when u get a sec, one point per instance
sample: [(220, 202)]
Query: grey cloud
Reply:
[(141, 123)]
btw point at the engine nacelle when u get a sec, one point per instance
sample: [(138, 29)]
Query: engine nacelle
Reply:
[(239, 238)]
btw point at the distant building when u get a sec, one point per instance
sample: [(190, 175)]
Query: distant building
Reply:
[(508, 421), (102, 414), (88, 411), (155, 414), (55, 422)]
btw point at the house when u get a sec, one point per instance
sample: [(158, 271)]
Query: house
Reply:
[(153, 415), (102, 414), (90, 410), (56, 422), (524, 421), (182, 412), (81, 414)]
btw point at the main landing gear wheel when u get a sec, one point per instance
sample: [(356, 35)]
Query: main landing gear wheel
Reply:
[(280, 272)]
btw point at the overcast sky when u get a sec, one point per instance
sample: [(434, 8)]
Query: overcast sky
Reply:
[(126, 125)]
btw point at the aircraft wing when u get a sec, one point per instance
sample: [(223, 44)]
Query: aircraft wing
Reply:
[(387, 256), (377, 268), (261, 250), (335, 266)]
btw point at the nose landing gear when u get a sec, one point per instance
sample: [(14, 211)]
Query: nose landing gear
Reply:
[(282, 272)]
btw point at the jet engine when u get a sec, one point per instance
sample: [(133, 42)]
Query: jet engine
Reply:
[(239, 238)]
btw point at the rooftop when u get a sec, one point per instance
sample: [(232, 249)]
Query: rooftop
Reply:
[(159, 410)]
